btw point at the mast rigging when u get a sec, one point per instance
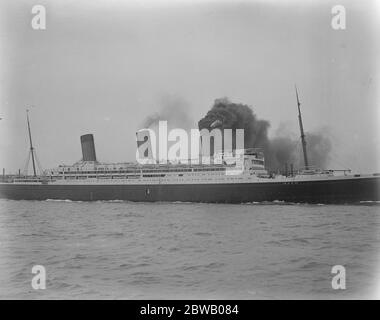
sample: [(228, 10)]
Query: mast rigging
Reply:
[(303, 140), (31, 143)]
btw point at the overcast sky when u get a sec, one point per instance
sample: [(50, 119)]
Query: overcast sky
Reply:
[(102, 67)]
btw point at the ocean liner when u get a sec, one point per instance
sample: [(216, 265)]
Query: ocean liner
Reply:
[(90, 180)]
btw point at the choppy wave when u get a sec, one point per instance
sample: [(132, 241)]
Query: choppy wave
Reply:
[(169, 250), (274, 202)]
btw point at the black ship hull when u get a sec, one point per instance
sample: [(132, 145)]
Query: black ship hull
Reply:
[(322, 191)]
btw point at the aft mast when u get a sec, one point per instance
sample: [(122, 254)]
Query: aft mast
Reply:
[(31, 143), (303, 140)]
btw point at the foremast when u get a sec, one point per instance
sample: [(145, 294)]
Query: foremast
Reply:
[(303, 140), (31, 144)]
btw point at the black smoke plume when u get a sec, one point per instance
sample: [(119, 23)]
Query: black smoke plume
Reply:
[(280, 151)]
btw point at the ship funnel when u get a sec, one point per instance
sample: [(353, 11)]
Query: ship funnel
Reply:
[(88, 147)]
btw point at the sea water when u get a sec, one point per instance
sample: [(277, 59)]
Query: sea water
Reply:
[(125, 250)]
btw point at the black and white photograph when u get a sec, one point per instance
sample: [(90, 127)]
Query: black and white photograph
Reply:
[(209, 150)]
